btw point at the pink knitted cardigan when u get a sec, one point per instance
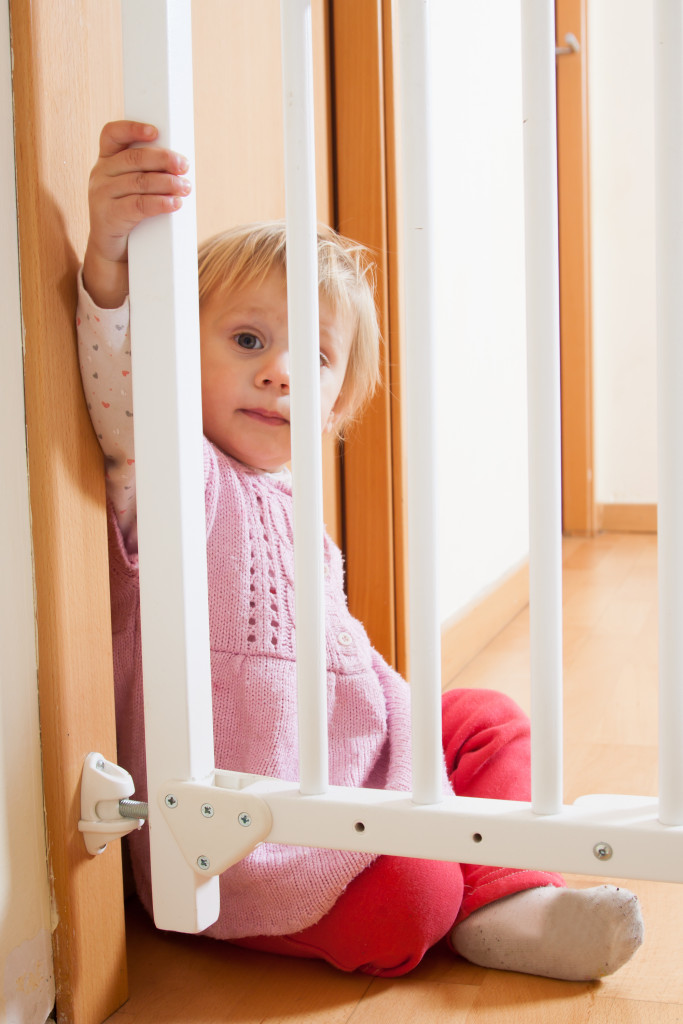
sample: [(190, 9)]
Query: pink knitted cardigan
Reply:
[(276, 889)]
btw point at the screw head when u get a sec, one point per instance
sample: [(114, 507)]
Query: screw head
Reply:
[(244, 819), (603, 851), (203, 862), (171, 801), (99, 764), (207, 810)]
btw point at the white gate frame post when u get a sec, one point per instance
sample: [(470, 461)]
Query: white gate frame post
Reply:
[(169, 461)]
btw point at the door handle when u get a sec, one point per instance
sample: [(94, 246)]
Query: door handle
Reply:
[(573, 46)]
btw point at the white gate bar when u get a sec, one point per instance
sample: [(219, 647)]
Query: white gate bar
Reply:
[(417, 214), (606, 835), (543, 341), (304, 354), (169, 463), (668, 41)]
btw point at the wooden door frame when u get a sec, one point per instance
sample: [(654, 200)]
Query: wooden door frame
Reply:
[(365, 208), (578, 500), (59, 109), (25, 925)]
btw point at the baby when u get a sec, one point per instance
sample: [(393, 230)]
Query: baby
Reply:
[(355, 910)]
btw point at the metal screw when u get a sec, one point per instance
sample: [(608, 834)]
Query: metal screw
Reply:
[(203, 862), (603, 851), (99, 764), (207, 810), (171, 801), (244, 819), (134, 809)]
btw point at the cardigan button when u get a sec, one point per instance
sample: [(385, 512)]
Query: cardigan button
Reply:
[(345, 639)]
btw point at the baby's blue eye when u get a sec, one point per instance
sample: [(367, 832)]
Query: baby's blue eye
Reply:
[(248, 341)]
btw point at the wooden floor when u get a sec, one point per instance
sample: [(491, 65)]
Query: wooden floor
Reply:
[(610, 680)]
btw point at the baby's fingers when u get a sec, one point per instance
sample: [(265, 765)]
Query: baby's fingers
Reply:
[(119, 135), (146, 183), (130, 183), (135, 208), (141, 160)]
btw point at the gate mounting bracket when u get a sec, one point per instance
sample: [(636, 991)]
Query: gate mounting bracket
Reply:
[(103, 786)]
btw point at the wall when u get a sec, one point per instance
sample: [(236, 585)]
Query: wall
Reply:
[(27, 984), (477, 185), (622, 197), (480, 319)]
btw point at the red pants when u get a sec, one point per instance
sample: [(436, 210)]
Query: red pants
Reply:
[(395, 910)]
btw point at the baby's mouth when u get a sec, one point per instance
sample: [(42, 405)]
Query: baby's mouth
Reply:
[(272, 419)]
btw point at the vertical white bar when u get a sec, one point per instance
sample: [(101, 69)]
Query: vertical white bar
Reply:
[(668, 41), (417, 215), (304, 345), (169, 463), (543, 340)]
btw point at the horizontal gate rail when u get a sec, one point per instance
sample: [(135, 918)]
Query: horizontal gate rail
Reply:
[(617, 836)]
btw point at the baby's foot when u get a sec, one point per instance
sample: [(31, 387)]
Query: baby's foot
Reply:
[(572, 934)]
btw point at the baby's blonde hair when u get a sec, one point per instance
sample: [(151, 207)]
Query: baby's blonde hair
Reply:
[(346, 279)]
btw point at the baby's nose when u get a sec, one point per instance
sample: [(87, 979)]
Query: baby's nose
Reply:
[(276, 371)]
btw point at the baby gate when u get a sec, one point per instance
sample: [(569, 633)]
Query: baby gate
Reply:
[(202, 820)]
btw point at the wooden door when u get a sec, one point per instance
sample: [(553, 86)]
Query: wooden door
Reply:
[(578, 505), (239, 146)]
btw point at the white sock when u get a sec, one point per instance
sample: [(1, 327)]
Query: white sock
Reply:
[(572, 934)]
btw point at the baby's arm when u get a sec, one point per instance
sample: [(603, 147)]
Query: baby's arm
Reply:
[(104, 358), (127, 185)]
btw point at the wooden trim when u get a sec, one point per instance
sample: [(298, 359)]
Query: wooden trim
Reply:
[(361, 204), (467, 633), (65, 80), (578, 509), (614, 518)]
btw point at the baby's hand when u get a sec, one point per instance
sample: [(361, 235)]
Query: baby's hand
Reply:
[(127, 185)]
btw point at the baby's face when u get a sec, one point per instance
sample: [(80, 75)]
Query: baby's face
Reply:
[(245, 370)]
